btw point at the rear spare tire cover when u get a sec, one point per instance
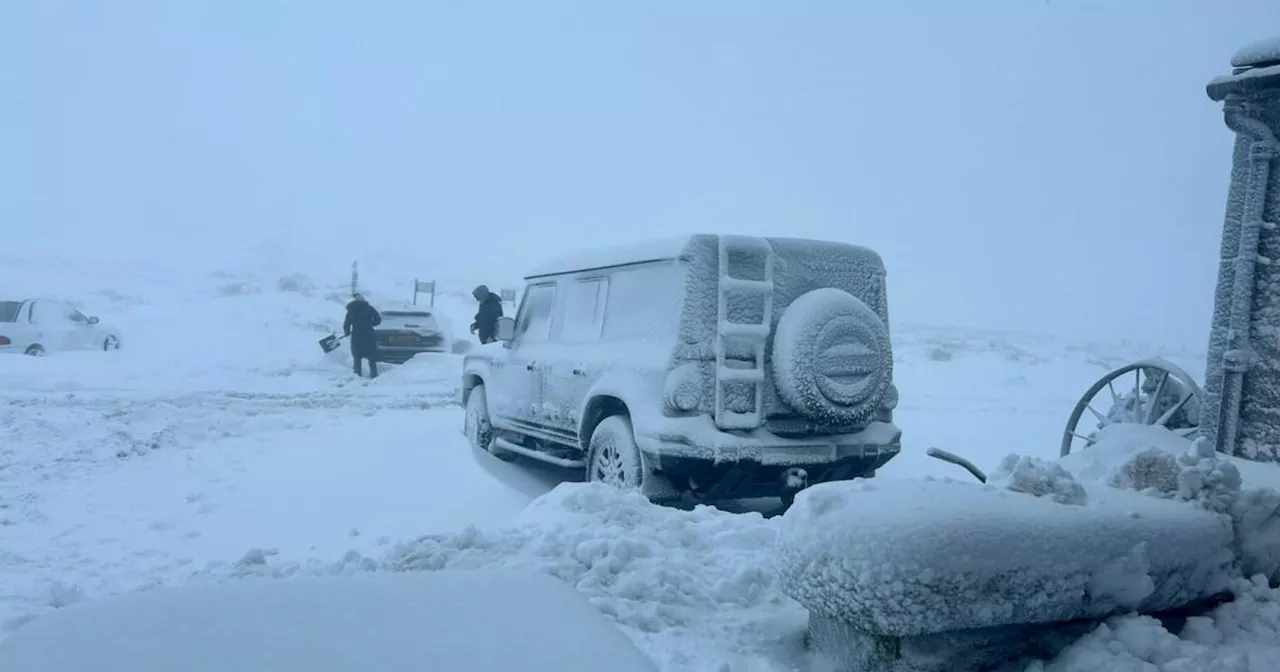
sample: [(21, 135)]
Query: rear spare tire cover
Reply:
[(832, 359)]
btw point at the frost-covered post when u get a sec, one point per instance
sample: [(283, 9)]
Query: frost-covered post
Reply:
[(1242, 377)]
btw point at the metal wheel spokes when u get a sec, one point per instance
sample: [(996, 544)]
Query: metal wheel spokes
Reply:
[(1161, 394), (608, 466)]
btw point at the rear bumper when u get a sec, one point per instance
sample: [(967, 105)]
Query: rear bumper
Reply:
[(731, 466)]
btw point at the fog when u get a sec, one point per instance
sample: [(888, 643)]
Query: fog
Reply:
[(1019, 164)]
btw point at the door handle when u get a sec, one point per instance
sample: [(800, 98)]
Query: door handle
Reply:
[(531, 366)]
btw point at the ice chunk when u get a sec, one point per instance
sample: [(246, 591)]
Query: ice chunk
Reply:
[(1041, 478), (901, 557)]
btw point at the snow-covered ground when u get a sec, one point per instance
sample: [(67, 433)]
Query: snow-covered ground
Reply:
[(221, 444)]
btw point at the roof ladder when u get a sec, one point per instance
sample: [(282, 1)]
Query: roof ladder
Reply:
[(754, 333)]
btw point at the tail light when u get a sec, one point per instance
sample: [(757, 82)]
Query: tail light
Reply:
[(4, 340)]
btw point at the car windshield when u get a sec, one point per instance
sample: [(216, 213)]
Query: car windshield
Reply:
[(9, 310), (400, 318)]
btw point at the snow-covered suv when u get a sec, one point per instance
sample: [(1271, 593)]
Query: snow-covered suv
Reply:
[(726, 366)]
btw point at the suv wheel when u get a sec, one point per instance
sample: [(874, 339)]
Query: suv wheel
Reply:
[(35, 351), (477, 428), (613, 457)]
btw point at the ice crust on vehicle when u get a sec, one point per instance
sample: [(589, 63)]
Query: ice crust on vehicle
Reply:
[(799, 267), (615, 255), (479, 621), (904, 557)]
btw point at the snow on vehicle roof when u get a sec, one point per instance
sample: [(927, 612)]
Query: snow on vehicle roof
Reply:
[(1262, 52), (656, 249), (478, 621)]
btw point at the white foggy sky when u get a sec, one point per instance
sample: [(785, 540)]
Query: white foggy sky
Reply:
[(1048, 166)]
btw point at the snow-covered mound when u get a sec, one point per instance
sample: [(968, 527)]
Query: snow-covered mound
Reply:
[(482, 621), (1161, 464), (693, 588), (902, 557)]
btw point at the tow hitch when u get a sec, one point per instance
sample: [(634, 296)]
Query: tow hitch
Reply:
[(794, 480)]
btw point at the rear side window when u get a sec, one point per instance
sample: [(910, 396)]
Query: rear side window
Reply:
[(9, 310), (584, 302), (533, 325)]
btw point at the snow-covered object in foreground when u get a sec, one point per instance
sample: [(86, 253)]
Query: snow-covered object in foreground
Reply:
[(726, 366), (477, 621), (1161, 464), (906, 557)]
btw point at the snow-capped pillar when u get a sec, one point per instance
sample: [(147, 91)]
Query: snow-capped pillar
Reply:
[(1241, 414)]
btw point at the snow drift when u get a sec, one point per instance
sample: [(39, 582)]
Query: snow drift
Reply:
[(479, 621)]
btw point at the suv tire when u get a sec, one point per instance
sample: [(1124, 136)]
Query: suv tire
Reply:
[(477, 427), (613, 456)]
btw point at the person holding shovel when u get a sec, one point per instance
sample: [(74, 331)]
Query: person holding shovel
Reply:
[(490, 309), (358, 327)]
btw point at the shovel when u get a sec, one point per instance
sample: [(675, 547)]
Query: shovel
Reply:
[(330, 343)]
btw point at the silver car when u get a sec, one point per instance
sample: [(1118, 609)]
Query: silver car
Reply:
[(405, 333)]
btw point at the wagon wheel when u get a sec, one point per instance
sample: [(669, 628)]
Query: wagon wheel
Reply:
[(1151, 392)]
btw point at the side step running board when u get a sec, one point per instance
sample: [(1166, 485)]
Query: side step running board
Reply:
[(538, 454)]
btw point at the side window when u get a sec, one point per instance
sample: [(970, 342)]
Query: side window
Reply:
[(533, 325), (583, 317), (75, 316), (47, 313)]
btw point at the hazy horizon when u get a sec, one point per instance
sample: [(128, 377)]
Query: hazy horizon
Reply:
[(1019, 164)]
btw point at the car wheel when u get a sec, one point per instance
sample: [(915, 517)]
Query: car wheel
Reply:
[(477, 428), (35, 350), (613, 456), (110, 343)]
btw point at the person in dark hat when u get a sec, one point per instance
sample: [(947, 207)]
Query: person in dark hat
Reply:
[(361, 319), (486, 325)]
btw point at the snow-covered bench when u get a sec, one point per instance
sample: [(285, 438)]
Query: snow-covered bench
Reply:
[(950, 575), (479, 621)]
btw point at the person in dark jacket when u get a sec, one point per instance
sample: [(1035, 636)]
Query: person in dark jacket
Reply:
[(361, 319), (486, 325)]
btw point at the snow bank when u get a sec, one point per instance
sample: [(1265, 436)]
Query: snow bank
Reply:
[(476, 621), (1239, 636), (693, 588), (901, 558), (1162, 464)]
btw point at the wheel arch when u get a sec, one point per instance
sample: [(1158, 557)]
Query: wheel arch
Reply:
[(599, 407), (469, 382)]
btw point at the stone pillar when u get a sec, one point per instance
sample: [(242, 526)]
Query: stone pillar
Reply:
[(1241, 413)]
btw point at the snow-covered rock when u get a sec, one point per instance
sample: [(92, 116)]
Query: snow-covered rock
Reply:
[(479, 621), (902, 558)]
